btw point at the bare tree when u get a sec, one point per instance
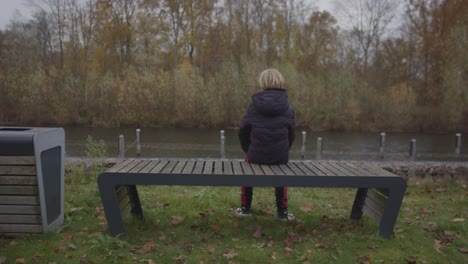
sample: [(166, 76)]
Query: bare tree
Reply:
[(367, 20), (174, 11)]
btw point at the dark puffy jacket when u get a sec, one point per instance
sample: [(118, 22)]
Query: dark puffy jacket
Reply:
[(267, 130)]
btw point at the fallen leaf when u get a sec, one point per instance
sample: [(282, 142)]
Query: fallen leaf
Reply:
[(67, 236), (366, 259), (217, 227), (72, 246), (212, 250), (148, 247), (230, 254), (13, 243), (411, 260), (463, 250), (20, 261), (258, 232), (150, 261), (372, 246), (95, 234), (305, 208), (457, 220), (59, 249), (273, 255), (180, 259), (175, 220), (437, 245), (151, 244), (288, 251), (3, 260), (101, 217), (187, 247)]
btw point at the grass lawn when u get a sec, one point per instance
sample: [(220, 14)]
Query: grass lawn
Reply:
[(185, 224)]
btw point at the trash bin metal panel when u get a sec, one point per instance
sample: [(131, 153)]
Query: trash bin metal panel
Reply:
[(16, 141), (49, 152)]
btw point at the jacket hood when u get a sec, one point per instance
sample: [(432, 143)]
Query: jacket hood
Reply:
[(271, 102)]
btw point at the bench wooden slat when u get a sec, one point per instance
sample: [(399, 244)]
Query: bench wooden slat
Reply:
[(17, 170), (375, 170), (124, 202), (188, 167), (306, 170), (198, 167), (218, 167), (208, 168), (377, 197), (314, 169), (170, 166), (236, 167), (20, 228), (256, 169), (119, 166), (179, 167), (325, 170), (18, 180), (20, 209), (227, 167), (23, 219), (130, 166), (376, 216), (140, 166), (286, 169), (339, 168), (267, 169), (159, 166), (294, 168), (20, 190), (17, 160), (331, 168), (149, 166), (19, 200), (276, 170), (359, 169), (121, 192), (348, 171), (246, 168)]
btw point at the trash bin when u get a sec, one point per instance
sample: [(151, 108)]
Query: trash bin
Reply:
[(31, 180)]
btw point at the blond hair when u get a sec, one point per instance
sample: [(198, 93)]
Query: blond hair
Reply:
[(271, 78)]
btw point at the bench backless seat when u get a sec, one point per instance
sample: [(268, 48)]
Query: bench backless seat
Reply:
[(379, 193)]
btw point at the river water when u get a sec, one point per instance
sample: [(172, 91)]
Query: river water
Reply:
[(204, 143)]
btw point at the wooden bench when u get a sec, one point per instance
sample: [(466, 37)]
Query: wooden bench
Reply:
[(379, 193)]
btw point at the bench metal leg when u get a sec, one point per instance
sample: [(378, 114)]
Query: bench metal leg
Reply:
[(134, 201), (390, 215), (356, 211), (111, 207)]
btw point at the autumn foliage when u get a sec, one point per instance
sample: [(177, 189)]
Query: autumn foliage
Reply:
[(194, 63)]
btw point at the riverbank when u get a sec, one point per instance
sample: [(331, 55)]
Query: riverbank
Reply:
[(410, 170)]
